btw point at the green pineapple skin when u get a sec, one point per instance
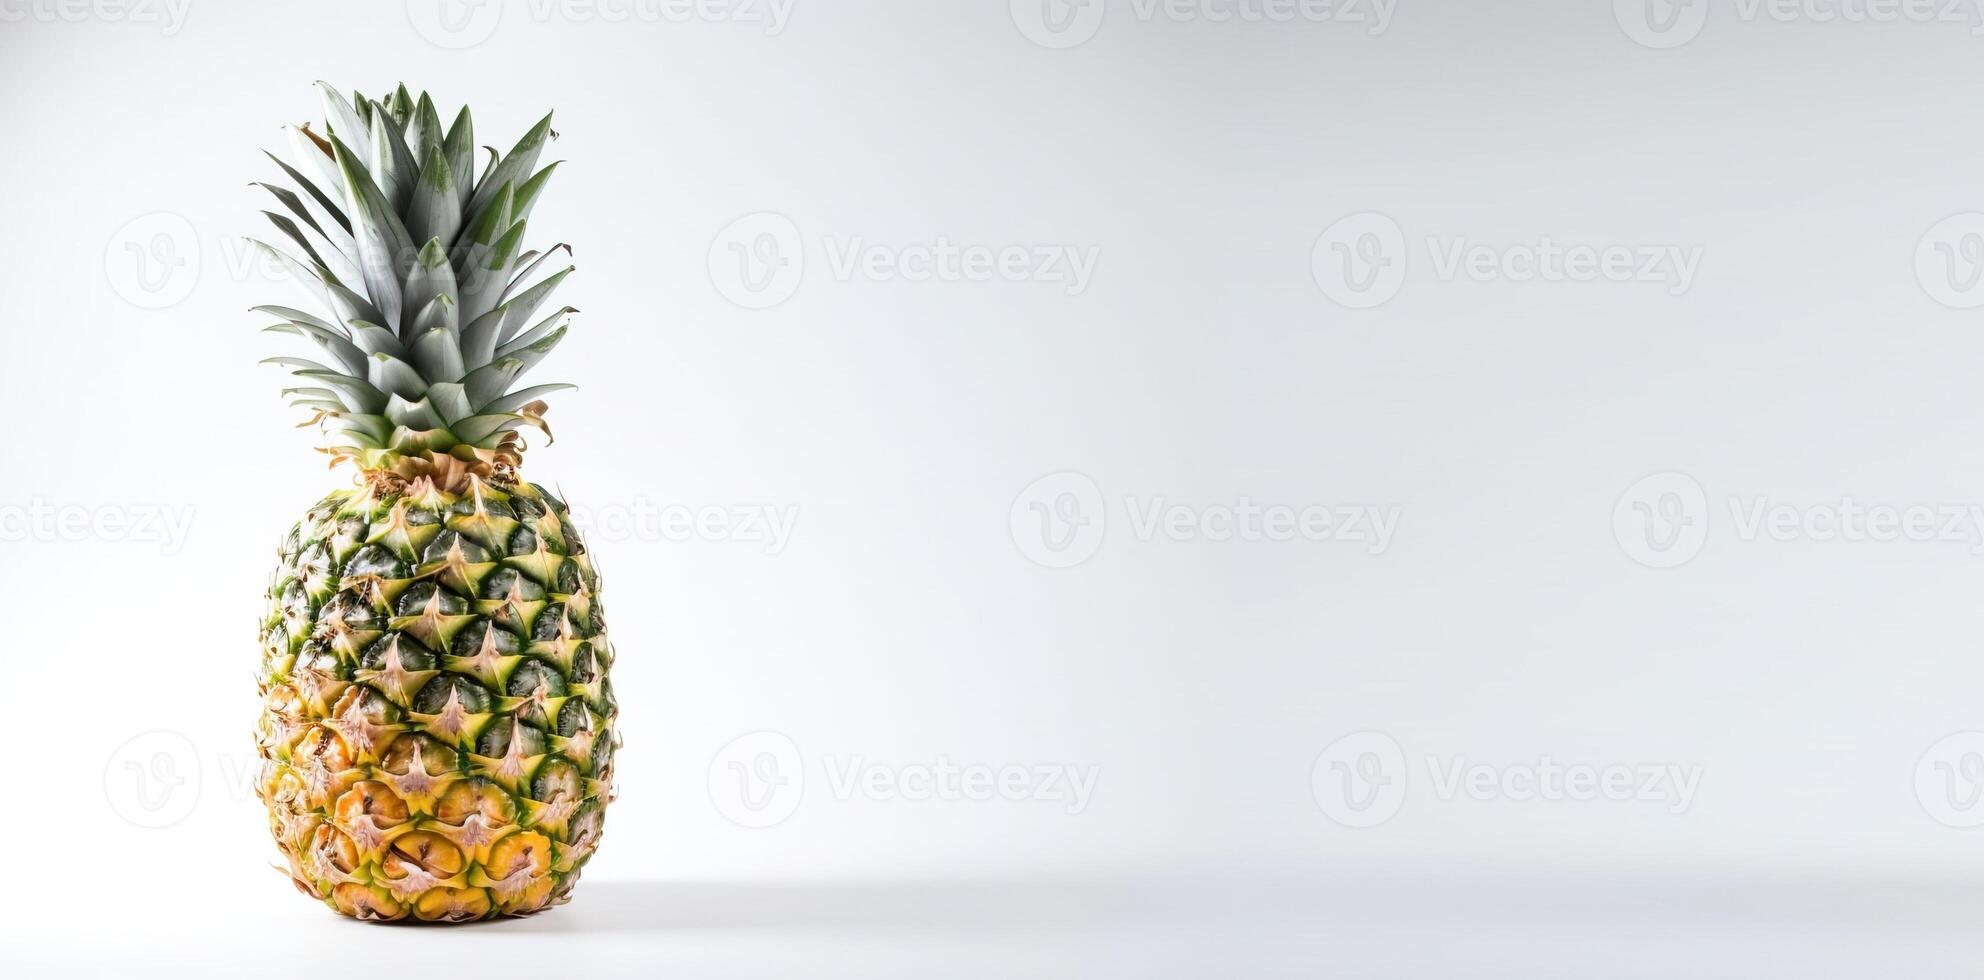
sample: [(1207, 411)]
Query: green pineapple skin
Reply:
[(437, 733)]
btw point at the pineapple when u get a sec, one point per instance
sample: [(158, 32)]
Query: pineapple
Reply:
[(437, 729)]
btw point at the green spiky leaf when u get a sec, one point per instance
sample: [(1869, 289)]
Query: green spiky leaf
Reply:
[(515, 167), (432, 278), (385, 251), (437, 210), (418, 261)]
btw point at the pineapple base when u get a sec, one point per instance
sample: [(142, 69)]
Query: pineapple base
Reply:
[(437, 731)]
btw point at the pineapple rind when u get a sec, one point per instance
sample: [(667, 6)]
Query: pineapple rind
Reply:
[(437, 732)]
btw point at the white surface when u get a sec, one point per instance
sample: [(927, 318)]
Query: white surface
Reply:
[(1812, 174), (1362, 924)]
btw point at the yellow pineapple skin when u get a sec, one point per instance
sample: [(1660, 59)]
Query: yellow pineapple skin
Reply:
[(437, 727)]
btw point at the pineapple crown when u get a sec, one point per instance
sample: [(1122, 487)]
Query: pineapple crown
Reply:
[(433, 300)]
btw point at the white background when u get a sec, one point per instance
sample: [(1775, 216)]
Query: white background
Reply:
[(1825, 347)]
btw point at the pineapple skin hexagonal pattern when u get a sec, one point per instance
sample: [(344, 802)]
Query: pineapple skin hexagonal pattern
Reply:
[(437, 728)]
